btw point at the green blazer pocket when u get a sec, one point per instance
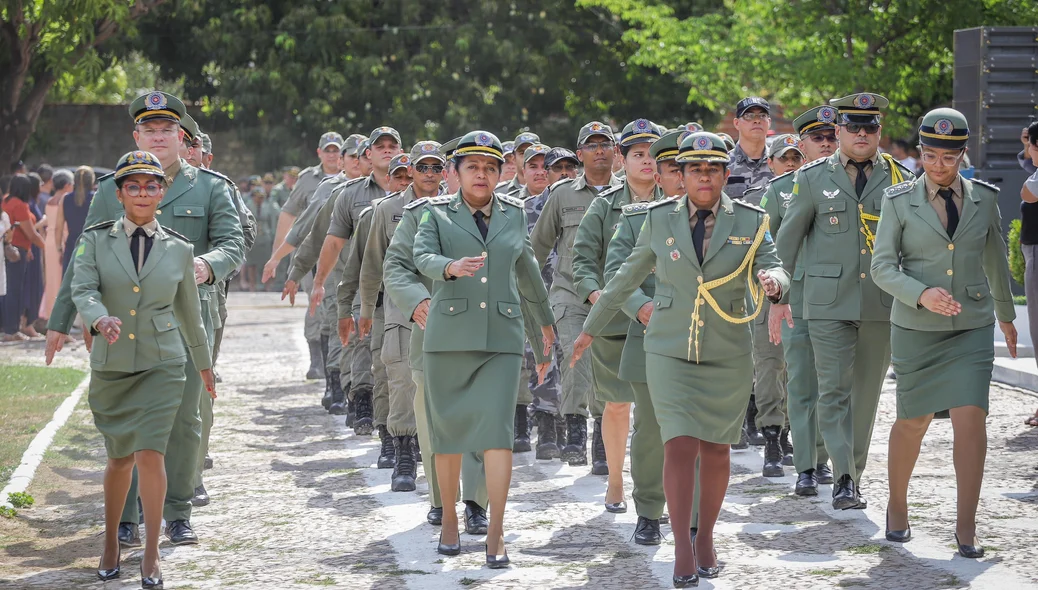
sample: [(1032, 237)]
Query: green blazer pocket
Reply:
[(509, 310), (738, 307), (978, 292), (189, 220), (663, 301), (168, 336), (832, 217), (821, 288), (453, 306), (99, 353)]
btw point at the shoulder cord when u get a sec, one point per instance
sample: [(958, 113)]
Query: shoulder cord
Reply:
[(895, 178)]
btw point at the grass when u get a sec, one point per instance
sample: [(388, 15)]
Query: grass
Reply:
[(28, 398), (869, 549), (20, 499), (826, 572), (1019, 300)]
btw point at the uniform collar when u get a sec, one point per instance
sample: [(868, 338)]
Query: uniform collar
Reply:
[(932, 187), (171, 172), (845, 159), (150, 228)]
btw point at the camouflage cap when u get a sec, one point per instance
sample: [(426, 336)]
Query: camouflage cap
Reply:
[(944, 129), (559, 154), (268, 177), (782, 144), (526, 138), (399, 161), (380, 132), (292, 171), (594, 128), (258, 191), (349, 147), (427, 149), (207, 143), (703, 147), (157, 106), (329, 138), (537, 149), (509, 146)]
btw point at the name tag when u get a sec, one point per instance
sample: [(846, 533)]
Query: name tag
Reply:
[(740, 241), (569, 209), (737, 179), (397, 217)]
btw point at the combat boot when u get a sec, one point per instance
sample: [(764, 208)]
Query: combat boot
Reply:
[(599, 466), (364, 423), (752, 432), (560, 433), (326, 401), (772, 452), (338, 406), (547, 441), (787, 447), (404, 470), (521, 436), (575, 451), (316, 370), (387, 456)]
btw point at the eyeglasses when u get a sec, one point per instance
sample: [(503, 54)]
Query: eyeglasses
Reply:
[(567, 167), (945, 159), (153, 189), (822, 137), (427, 168), (594, 147), (755, 117), (855, 128)]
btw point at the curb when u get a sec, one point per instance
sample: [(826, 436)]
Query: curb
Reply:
[(1006, 373), (22, 476)]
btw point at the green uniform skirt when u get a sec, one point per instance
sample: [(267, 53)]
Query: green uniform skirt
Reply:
[(605, 366), (705, 400), (470, 400), (135, 411), (937, 371)]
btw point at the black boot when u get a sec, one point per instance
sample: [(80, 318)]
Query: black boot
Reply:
[(744, 441), (752, 433), (387, 457), (417, 450), (326, 401), (521, 436), (351, 408), (316, 370), (772, 452), (599, 466), (787, 447), (404, 471), (560, 433), (363, 425), (547, 443), (575, 451), (338, 406)]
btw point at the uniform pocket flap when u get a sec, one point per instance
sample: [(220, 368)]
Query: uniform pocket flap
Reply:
[(189, 211), (738, 306), (832, 206), (977, 292), (825, 270), (798, 273), (509, 310), (453, 306), (662, 301), (164, 322)]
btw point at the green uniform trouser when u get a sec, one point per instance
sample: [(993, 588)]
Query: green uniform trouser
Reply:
[(395, 346), (646, 456), (769, 374), (473, 476), (185, 439), (380, 394), (851, 359), (525, 395), (802, 397), (222, 313), (577, 382), (328, 316), (205, 403), (311, 323)]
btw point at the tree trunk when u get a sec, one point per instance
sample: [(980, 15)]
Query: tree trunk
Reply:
[(17, 127)]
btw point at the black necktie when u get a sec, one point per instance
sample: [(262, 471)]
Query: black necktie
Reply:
[(135, 248), (949, 207), (480, 224), (699, 232), (861, 179)]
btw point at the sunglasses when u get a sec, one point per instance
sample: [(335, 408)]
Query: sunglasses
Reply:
[(855, 128), (134, 190), (594, 147), (427, 168), (822, 137)]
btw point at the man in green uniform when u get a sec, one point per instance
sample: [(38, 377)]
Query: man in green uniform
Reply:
[(817, 129), (522, 141), (279, 194), (351, 156), (835, 206), (508, 168), (198, 205), (556, 229)]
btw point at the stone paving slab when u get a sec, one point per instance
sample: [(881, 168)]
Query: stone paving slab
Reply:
[(298, 503)]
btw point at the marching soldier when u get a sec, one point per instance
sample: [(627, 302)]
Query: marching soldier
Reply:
[(522, 141), (830, 224)]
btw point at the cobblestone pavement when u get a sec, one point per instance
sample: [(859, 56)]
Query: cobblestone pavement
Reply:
[(298, 503)]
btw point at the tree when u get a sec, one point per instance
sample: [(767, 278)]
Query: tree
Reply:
[(800, 53), (40, 41)]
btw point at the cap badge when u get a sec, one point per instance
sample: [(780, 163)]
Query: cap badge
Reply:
[(703, 143), (155, 101), (693, 127), (595, 127), (943, 127), (428, 147), (525, 137), (405, 160), (790, 141), (683, 135), (641, 124), (864, 101), (826, 115), (483, 139)]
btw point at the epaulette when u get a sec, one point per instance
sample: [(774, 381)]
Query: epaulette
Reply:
[(610, 190), (636, 208), (771, 180), (898, 189), (109, 176), (511, 201), (984, 183), (102, 225), (176, 234), (742, 203), (440, 200), (812, 164), (754, 189), (218, 175), (654, 204), (366, 210), (416, 203), (559, 183)]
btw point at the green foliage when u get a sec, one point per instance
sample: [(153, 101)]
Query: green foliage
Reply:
[(1017, 265), (801, 53), (8, 512), (20, 499)]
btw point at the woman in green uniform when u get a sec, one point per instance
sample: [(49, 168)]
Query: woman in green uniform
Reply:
[(940, 253), (705, 249), (134, 286), (474, 245)]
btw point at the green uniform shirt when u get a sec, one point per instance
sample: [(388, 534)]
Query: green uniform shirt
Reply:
[(385, 217), (306, 184)]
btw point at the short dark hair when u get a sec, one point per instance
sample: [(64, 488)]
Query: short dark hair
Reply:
[(1032, 133), (16, 166), (21, 187), (45, 171), (901, 144), (5, 184), (34, 183)]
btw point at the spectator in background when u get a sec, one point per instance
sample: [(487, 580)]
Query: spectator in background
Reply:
[(5, 226), (901, 150), (61, 185), (73, 211), (1028, 159), (46, 174), (35, 276), (18, 168), (19, 307)]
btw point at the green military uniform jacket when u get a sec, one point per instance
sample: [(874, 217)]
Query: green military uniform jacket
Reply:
[(304, 222), (665, 244), (568, 200), (309, 251), (775, 198), (198, 205), (591, 243), (914, 253), (403, 284), (306, 184), (155, 307), (384, 219), (480, 313), (823, 229), (347, 289)]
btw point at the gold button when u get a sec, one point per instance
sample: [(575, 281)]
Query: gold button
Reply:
[(701, 323), (158, 212), (863, 250), (136, 289), (643, 331), (189, 212), (482, 304), (863, 275), (131, 336), (950, 273), (653, 270), (451, 309), (830, 208), (483, 254), (701, 301), (509, 310), (133, 312), (699, 279), (169, 325), (483, 280), (951, 246)]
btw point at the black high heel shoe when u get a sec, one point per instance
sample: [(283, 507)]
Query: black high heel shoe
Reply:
[(106, 575), (496, 562), (150, 583), (686, 581), (445, 549), (707, 572), (969, 551), (902, 536)]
